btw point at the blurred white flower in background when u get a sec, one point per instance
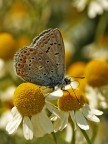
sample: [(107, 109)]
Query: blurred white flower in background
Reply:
[(6, 98), (8, 93), (95, 7), (5, 117), (96, 99), (93, 51), (2, 68)]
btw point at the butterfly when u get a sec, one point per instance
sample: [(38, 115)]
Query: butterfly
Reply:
[(43, 62)]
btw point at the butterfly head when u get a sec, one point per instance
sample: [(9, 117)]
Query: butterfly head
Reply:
[(66, 81)]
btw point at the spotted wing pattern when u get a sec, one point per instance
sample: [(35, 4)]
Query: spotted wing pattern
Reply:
[(43, 62)]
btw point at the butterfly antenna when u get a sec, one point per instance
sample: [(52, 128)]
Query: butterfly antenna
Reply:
[(66, 91), (81, 77), (78, 77), (75, 94)]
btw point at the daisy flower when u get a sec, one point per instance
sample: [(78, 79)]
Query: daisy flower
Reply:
[(96, 99), (95, 51), (6, 98), (75, 105), (29, 109), (95, 7), (77, 69), (96, 73)]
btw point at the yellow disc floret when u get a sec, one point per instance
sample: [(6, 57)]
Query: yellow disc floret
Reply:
[(72, 99), (76, 69), (23, 41), (29, 99), (96, 73), (7, 46)]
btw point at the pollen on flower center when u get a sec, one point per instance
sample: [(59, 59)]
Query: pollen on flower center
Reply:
[(28, 99), (71, 100), (96, 73)]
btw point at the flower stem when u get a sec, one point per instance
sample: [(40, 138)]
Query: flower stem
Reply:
[(54, 137), (95, 130), (86, 136), (101, 27), (73, 136)]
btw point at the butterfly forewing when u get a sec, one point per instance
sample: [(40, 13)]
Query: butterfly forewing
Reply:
[(51, 43), (43, 63)]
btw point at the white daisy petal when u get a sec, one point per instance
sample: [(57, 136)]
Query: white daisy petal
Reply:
[(55, 95), (104, 4), (27, 128), (61, 122), (73, 85), (97, 112), (89, 114), (80, 4), (94, 111), (53, 109), (5, 118), (73, 118), (81, 121), (45, 123), (57, 124), (14, 111), (69, 133), (53, 117), (14, 123), (64, 121), (94, 9), (38, 132)]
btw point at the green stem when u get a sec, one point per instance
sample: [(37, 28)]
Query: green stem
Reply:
[(95, 130), (73, 136), (101, 27), (86, 136), (54, 137)]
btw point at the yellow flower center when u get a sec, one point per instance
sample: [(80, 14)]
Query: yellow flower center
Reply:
[(29, 99), (71, 100), (76, 69), (7, 46), (96, 73)]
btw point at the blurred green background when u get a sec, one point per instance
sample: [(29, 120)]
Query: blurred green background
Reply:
[(84, 27)]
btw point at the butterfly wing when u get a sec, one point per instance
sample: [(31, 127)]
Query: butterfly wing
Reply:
[(51, 43), (43, 63), (33, 66)]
